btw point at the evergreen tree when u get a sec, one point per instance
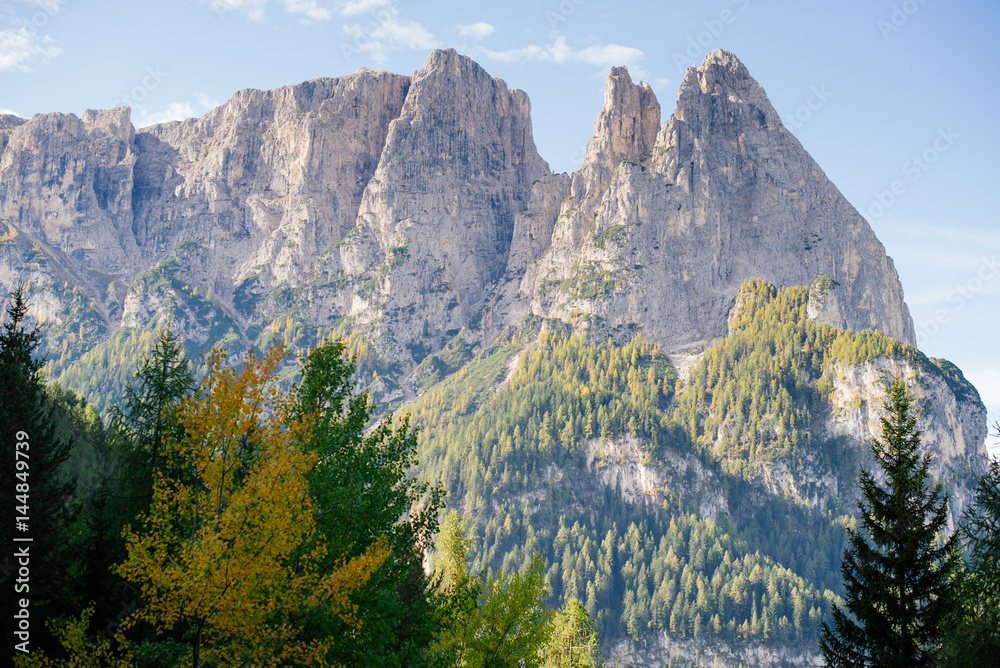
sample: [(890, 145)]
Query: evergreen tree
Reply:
[(34, 485), (137, 432), (898, 576), (974, 637), (574, 640), (364, 490)]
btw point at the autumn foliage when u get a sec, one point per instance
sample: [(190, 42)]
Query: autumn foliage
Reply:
[(232, 548)]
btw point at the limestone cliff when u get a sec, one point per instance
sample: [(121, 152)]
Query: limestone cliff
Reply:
[(662, 238), (436, 221)]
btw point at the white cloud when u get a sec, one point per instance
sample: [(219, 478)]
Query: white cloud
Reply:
[(254, 9), (10, 112), (385, 32), (175, 111), (18, 46), (205, 101), (611, 54), (361, 6), (310, 8), (559, 52), (142, 116), (477, 30), (51, 6)]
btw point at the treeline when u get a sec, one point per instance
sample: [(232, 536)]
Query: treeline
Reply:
[(218, 520), (515, 442), (756, 395), (516, 434)]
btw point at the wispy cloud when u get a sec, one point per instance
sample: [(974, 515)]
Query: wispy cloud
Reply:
[(254, 9), (9, 112), (143, 117), (175, 111), (356, 7), (19, 46), (477, 30), (51, 6), (385, 31), (310, 8), (560, 53)]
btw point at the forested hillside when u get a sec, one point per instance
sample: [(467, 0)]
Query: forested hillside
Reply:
[(520, 435), (699, 512)]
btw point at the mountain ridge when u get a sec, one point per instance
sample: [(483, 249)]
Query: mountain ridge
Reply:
[(684, 341)]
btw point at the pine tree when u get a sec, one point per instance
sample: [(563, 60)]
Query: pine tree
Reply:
[(574, 640), (974, 637), (31, 475), (898, 576), (137, 434), (364, 490)]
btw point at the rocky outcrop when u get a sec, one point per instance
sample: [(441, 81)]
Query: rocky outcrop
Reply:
[(7, 124), (726, 194), (436, 221), (268, 180), (67, 183)]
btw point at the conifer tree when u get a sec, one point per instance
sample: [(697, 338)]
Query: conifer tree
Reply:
[(364, 490), (974, 636), (898, 575), (138, 431), (574, 639), (31, 477)]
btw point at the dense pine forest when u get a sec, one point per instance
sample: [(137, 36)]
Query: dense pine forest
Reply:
[(538, 501)]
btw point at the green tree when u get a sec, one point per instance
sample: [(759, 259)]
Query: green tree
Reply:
[(974, 637), (899, 580), (137, 432), (147, 419), (32, 477), (494, 622), (364, 490), (511, 624), (574, 639)]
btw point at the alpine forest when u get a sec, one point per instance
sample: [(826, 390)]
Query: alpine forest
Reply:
[(341, 374)]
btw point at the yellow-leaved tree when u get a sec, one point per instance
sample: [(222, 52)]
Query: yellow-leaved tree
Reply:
[(229, 550)]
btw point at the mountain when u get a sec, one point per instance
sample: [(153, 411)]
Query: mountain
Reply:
[(678, 350)]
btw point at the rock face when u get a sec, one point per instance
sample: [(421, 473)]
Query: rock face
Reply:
[(268, 180), (7, 124), (412, 205), (67, 183), (436, 221), (662, 237)]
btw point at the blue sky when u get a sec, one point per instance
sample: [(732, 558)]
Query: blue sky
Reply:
[(896, 99)]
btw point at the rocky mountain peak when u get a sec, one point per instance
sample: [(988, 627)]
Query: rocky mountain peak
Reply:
[(436, 221), (7, 124), (627, 125), (115, 122), (728, 194), (625, 131)]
